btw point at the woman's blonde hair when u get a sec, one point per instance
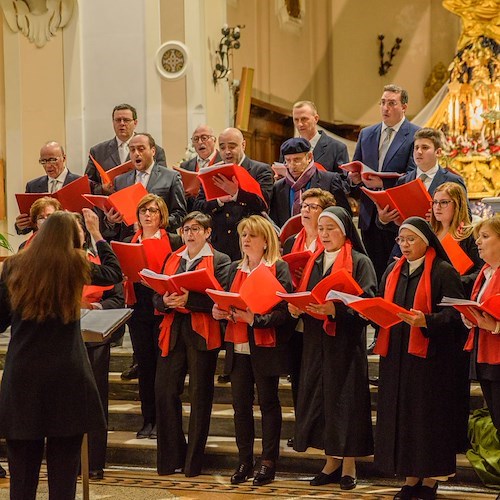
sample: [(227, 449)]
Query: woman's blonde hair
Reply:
[(160, 203), (260, 226), (45, 280), (461, 225)]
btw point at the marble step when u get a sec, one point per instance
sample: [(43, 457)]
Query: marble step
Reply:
[(128, 390), (221, 454)]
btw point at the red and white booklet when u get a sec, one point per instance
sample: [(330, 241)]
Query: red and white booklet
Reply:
[(367, 172)]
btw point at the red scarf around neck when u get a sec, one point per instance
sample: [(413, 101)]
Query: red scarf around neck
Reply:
[(299, 245), (128, 286), (422, 301), (488, 349), (202, 323), (343, 261), (237, 333)]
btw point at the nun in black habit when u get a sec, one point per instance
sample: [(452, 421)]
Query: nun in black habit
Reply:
[(416, 434), (333, 407)]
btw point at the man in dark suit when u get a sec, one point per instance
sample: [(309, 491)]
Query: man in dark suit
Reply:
[(228, 211), (387, 147), (155, 178), (327, 151), (302, 174), (203, 141), (53, 160), (114, 152)]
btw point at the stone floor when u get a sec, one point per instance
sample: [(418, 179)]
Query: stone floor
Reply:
[(144, 484)]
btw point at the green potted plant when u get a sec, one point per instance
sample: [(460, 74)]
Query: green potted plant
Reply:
[(4, 243)]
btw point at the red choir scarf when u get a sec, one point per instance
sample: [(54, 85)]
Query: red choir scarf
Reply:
[(93, 293), (237, 333), (202, 323), (488, 349), (299, 245), (422, 301), (343, 261), (128, 286)]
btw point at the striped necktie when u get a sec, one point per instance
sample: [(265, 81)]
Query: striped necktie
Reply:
[(384, 147)]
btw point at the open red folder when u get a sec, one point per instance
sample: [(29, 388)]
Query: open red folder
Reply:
[(460, 260), (296, 261), (190, 181), (366, 171), (245, 181), (193, 281), (376, 309), (410, 199), (292, 226), (491, 306), (124, 201), (70, 196), (107, 176), (134, 257), (339, 280), (258, 293)]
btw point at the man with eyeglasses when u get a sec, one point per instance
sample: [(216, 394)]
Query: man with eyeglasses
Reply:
[(115, 151), (53, 161), (302, 174)]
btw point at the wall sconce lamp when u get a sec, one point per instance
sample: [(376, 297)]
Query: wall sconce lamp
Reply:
[(386, 65), (230, 40)]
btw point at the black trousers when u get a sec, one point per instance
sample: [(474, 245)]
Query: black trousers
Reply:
[(63, 462), (379, 245), (99, 357), (491, 393), (144, 329), (242, 386), (295, 344), (173, 452)]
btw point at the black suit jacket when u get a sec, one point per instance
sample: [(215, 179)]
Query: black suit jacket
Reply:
[(163, 182), (330, 153), (329, 181), (106, 154), (226, 217), (399, 158)]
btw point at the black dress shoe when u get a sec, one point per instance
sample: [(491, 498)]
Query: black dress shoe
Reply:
[(154, 433), (427, 492), (145, 432), (223, 379), (96, 474), (289, 443), (242, 473), (348, 483), (407, 492), (130, 373), (3, 472), (322, 478), (264, 476)]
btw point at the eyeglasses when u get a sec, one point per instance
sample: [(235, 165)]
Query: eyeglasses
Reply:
[(401, 240), (310, 206), (389, 104), (295, 161), (151, 210), (44, 161), (41, 219), (123, 120), (442, 203), (191, 229), (201, 138)]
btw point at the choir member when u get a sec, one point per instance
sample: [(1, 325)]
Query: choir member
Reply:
[(333, 409), (144, 325), (189, 340), (256, 352), (48, 391), (484, 339), (415, 435)]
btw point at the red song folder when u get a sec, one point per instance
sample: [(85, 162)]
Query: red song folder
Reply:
[(296, 261), (460, 260), (193, 281), (108, 176), (491, 306), (366, 171), (245, 181), (190, 181), (410, 199), (339, 280), (258, 292), (292, 226)]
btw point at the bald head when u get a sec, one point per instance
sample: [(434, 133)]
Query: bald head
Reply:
[(52, 159), (232, 145)]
